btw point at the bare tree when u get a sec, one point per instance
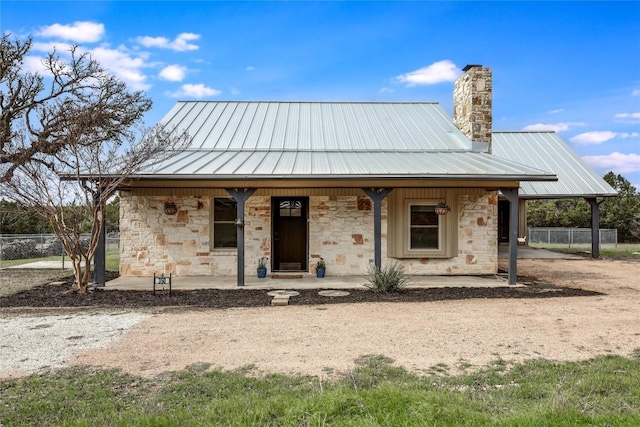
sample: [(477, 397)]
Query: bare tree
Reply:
[(71, 188), (88, 140), (75, 101)]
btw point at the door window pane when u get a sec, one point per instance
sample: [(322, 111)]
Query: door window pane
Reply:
[(290, 208)]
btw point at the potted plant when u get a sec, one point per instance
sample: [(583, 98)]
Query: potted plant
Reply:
[(442, 208), (262, 267), (170, 207), (321, 268)]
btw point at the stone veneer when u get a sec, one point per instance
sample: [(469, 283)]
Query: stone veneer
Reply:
[(340, 231)]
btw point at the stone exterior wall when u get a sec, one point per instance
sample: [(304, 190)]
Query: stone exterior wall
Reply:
[(340, 231), (472, 103), (477, 241)]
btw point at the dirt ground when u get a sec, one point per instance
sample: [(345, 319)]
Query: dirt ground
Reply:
[(421, 336)]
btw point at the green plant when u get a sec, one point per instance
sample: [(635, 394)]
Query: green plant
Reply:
[(389, 278), (321, 264), (262, 262)]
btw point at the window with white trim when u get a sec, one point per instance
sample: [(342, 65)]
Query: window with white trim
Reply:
[(424, 227), (223, 216), (414, 230)]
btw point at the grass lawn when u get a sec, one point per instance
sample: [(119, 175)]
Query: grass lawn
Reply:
[(112, 261), (604, 391), (19, 279), (622, 251)]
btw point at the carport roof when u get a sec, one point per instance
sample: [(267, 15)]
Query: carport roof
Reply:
[(547, 151)]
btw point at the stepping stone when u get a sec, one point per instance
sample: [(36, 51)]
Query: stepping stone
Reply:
[(57, 283), (283, 293), (279, 300), (332, 293)]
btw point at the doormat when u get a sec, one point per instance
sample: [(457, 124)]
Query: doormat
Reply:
[(286, 276)]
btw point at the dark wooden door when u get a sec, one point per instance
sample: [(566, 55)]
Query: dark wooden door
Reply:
[(503, 221), (289, 233)]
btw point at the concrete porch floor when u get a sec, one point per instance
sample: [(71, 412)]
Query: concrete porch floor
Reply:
[(308, 281)]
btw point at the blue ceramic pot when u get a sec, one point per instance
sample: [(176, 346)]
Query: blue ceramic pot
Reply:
[(262, 273), (320, 272)]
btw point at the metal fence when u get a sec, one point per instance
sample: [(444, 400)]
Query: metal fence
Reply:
[(41, 250), (571, 237)]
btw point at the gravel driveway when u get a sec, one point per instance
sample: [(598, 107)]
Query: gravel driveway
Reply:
[(317, 340)]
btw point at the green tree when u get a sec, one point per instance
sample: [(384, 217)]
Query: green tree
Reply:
[(19, 219), (622, 211), (112, 215)]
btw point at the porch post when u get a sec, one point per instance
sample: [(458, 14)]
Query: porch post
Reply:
[(595, 226), (377, 195), (99, 257), (240, 196), (512, 195)]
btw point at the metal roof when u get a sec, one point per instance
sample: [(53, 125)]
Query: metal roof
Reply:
[(327, 140), (269, 164), (546, 150), (336, 126)]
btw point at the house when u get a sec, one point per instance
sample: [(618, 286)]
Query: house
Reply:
[(352, 182)]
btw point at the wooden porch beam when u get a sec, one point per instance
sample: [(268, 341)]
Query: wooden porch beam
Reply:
[(512, 195), (377, 195), (240, 196)]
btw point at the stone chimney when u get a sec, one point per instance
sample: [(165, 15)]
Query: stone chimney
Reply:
[(472, 103)]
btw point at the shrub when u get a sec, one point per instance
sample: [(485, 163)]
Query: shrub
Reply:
[(389, 278)]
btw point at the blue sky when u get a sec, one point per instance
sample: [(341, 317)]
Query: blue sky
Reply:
[(573, 67)]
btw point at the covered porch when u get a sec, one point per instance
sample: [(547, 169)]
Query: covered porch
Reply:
[(301, 281)]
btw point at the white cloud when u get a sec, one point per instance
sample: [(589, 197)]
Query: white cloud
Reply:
[(195, 91), (35, 64), (556, 111), (180, 43), (555, 127), (598, 137), (173, 73), (628, 117), (618, 162), (438, 72), (636, 92), (80, 31), (59, 47), (124, 65), (250, 68), (385, 90)]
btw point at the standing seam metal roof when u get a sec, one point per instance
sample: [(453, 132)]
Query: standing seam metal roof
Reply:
[(250, 140), (546, 150)]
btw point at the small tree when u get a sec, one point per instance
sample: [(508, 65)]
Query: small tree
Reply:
[(623, 210), (88, 139)]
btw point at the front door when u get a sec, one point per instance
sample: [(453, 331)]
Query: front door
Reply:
[(290, 233)]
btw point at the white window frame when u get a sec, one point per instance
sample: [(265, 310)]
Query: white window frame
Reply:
[(410, 226)]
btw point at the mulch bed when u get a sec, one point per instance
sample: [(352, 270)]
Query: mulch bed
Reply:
[(59, 296)]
